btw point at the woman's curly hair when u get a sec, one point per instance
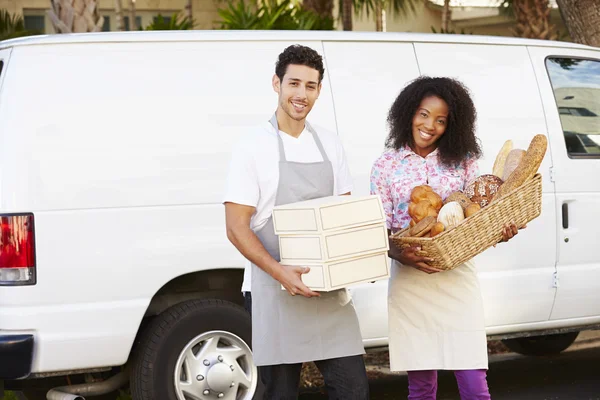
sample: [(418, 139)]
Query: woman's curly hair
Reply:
[(299, 55), (458, 141)]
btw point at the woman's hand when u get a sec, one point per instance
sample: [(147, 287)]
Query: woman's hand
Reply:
[(409, 257), (509, 231)]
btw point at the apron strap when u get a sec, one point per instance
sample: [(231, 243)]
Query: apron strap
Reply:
[(279, 141), (317, 141), (309, 127)]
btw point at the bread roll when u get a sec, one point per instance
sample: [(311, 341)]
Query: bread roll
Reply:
[(483, 189), (437, 229), (460, 198), (472, 209), (500, 162), (512, 162), (420, 193), (528, 166), (435, 200)]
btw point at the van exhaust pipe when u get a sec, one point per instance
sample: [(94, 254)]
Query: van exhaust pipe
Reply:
[(55, 394), (76, 392)]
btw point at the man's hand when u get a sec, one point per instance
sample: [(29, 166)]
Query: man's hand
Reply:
[(291, 280), (410, 257)]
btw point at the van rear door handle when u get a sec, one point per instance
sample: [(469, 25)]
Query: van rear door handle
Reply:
[(565, 215)]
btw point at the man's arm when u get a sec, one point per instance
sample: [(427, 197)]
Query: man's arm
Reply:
[(237, 218)]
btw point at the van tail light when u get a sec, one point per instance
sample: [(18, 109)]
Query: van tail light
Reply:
[(17, 250)]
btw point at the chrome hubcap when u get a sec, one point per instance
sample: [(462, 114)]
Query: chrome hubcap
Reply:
[(215, 365)]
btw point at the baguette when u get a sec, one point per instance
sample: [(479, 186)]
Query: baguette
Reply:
[(498, 168), (512, 162), (527, 168)]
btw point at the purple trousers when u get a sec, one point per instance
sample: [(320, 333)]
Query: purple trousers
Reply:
[(472, 385)]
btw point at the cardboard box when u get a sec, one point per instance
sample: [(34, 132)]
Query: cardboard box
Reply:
[(334, 245), (327, 276), (327, 214)]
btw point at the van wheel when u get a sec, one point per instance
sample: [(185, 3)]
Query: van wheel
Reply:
[(541, 345), (196, 349)]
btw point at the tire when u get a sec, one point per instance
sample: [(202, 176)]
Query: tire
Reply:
[(182, 340), (546, 345)]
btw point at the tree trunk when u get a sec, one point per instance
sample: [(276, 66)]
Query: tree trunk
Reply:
[(119, 15), (347, 15), (132, 17), (446, 13), (323, 8), (69, 16), (378, 16), (188, 9), (582, 18)]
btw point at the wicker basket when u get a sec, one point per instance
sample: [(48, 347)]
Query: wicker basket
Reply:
[(480, 231)]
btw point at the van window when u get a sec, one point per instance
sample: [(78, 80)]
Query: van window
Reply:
[(576, 85), (1, 67)]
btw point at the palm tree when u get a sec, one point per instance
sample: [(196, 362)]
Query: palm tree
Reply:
[(119, 15), (347, 6), (532, 18), (446, 15), (132, 18), (12, 26), (70, 16), (188, 9), (397, 7)]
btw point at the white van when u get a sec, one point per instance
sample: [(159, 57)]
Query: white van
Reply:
[(113, 154)]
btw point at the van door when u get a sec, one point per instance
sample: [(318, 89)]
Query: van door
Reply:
[(4, 56), (569, 82), (516, 277), (365, 78)]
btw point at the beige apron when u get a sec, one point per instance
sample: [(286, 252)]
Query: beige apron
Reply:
[(293, 329), (436, 321)]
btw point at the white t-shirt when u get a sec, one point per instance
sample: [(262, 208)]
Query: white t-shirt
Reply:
[(254, 170)]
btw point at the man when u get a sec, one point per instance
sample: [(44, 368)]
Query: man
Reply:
[(285, 161)]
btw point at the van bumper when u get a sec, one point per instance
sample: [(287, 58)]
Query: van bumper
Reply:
[(16, 356)]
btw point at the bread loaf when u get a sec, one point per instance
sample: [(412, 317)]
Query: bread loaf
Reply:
[(483, 189), (527, 168), (512, 162), (500, 162), (423, 227)]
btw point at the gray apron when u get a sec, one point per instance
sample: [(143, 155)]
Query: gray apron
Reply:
[(293, 329)]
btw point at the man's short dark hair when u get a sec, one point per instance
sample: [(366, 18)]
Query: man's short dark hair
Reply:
[(299, 55)]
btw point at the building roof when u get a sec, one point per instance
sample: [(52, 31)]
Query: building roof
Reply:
[(227, 35)]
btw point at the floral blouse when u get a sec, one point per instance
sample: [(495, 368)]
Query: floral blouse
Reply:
[(396, 172)]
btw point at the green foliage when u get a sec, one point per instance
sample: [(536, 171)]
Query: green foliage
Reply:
[(394, 7), (8, 395), (451, 31), (174, 23), (123, 395), (12, 26), (271, 15)]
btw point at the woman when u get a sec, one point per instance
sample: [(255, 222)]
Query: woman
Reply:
[(436, 320)]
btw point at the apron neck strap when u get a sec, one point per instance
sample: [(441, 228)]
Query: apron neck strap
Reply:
[(309, 128)]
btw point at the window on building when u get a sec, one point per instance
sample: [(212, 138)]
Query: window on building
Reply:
[(106, 25), (576, 85), (138, 23), (35, 23), (167, 20)]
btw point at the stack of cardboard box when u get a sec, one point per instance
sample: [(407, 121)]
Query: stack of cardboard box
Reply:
[(343, 239)]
